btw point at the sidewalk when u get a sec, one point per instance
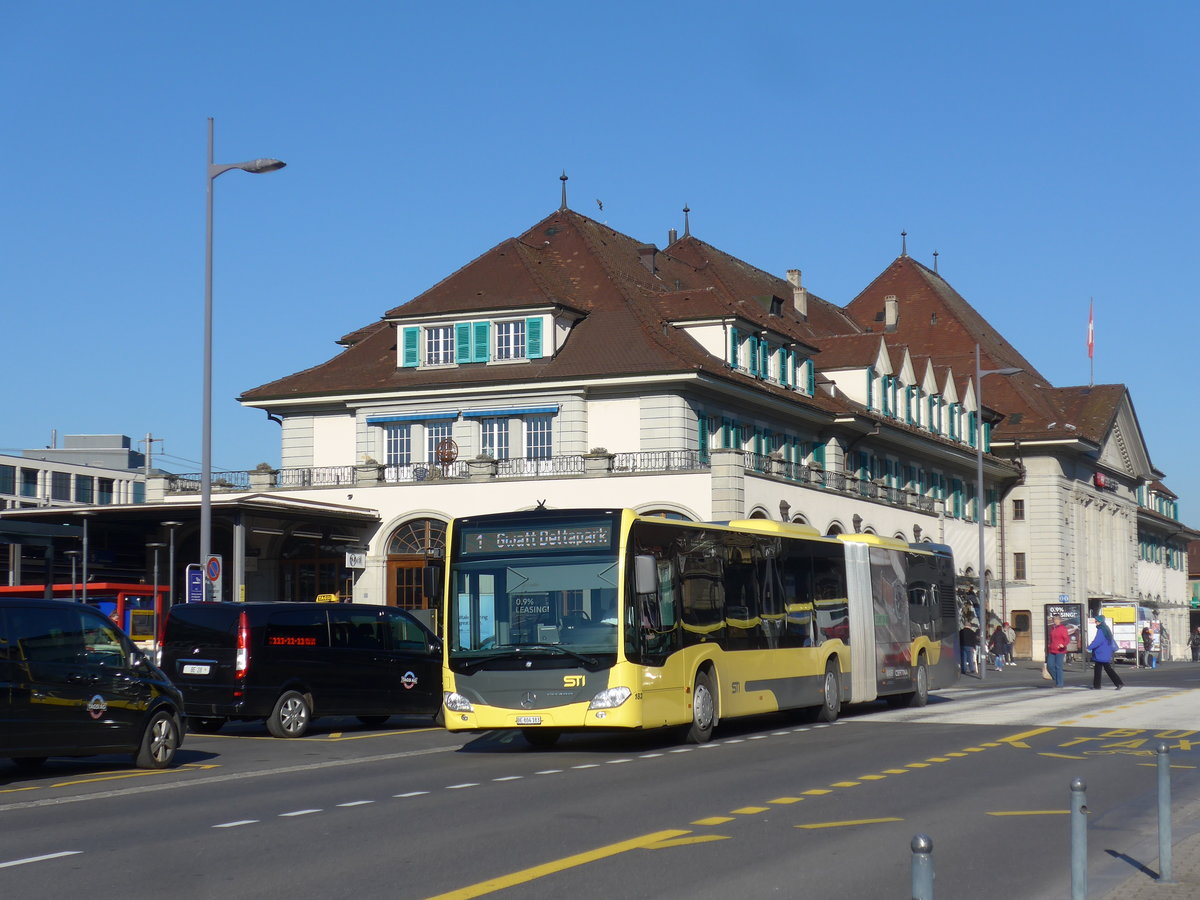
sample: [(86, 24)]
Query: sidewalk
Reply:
[(1142, 884)]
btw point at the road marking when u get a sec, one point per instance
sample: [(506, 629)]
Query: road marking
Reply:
[(298, 812), (231, 776), (113, 777), (549, 772), (587, 766), (617, 762), (748, 810), (465, 784), (871, 777), (509, 778), (895, 771), (237, 823), (684, 841), (559, 865), (410, 794), (1018, 740), (649, 755), (1033, 812), (786, 800), (847, 823), (1062, 756), (817, 792), (18, 790), (844, 784), (357, 803), (33, 859), (714, 820)]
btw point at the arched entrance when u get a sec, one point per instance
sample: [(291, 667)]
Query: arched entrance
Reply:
[(413, 546)]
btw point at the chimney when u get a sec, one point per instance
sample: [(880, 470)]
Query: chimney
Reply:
[(799, 294), (647, 252), (891, 312), (672, 236)]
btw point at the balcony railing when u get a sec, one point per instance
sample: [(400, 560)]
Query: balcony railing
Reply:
[(567, 466)]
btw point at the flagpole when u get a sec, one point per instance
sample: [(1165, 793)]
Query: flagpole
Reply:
[(1091, 343)]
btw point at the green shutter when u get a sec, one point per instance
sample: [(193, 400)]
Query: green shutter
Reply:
[(810, 376), (752, 352), (702, 437), (411, 345), (462, 342), (481, 344), (733, 347), (533, 338)]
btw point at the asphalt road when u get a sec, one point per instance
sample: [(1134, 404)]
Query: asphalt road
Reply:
[(771, 807)]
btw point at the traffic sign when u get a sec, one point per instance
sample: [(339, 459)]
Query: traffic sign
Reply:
[(195, 583), (214, 572)]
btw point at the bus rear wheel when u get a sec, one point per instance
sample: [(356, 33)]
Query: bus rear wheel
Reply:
[(831, 694), (704, 710)]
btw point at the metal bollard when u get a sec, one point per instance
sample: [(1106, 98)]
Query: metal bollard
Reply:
[(922, 867), (1164, 815), (1078, 839)]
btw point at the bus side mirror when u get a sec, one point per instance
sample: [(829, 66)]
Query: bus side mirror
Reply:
[(645, 574)]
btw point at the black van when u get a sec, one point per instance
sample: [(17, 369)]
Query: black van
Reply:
[(290, 662), (73, 684)]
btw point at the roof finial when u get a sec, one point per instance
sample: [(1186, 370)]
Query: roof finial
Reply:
[(563, 179), (935, 256), (904, 243), (687, 228)]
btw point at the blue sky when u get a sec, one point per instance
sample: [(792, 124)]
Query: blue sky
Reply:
[(1046, 150)]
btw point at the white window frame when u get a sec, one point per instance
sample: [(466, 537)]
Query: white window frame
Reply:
[(510, 339), (439, 345)]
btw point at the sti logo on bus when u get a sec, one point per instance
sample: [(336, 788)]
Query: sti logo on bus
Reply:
[(575, 681)]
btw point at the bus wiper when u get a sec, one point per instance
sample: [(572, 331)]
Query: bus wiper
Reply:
[(470, 665), (588, 661)]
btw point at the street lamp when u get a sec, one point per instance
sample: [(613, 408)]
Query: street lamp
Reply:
[(171, 526), (73, 554), (85, 516), (254, 167), (979, 499), (155, 546)]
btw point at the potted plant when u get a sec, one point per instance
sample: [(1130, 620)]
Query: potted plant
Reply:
[(369, 471), (598, 460), (484, 465)]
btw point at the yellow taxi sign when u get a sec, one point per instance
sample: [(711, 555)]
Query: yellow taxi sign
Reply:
[(327, 598)]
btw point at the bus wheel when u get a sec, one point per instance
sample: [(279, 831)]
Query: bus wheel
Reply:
[(290, 717), (704, 711), (920, 696), (831, 694), (541, 738)]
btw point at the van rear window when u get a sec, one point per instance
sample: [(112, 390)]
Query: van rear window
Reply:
[(199, 626), (298, 628)]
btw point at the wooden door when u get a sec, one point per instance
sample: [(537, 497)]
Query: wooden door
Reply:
[(1022, 623)]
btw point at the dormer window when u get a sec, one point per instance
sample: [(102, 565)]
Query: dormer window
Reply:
[(439, 346), (510, 340)]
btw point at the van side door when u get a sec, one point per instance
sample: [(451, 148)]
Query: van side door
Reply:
[(359, 684), (415, 665)]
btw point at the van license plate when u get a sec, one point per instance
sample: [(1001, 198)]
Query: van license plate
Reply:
[(196, 670), (529, 720)]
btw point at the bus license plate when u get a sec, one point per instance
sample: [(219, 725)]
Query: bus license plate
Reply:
[(529, 720), (196, 670)]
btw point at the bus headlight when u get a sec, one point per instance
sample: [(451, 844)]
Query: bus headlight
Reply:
[(456, 702), (610, 698)]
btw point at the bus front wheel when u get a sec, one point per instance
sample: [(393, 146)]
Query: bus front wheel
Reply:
[(831, 694), (704, 710)]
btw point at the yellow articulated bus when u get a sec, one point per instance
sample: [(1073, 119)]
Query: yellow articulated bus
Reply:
[(579, 619)]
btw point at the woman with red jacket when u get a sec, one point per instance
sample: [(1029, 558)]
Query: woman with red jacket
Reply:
[(1056, 649)]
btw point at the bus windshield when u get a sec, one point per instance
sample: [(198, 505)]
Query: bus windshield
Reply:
[(564, 601)]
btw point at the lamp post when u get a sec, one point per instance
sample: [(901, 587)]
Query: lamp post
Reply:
[(73, 554), (254, 167), (155, 546), (980, 505), (85, 516), (171, 526)]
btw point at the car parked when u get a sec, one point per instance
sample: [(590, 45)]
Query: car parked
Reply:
[(73, 684), (288, 663)]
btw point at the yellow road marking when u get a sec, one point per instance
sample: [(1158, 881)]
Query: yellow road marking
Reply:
[(1155, 765), (1062, 756), (15, 790), (973, 749), (714, 820), (939, 759), (817, 792), (748, 810), (1033, 812), (844, 784), (559, 865), (139, 774), (917, 766), (895, 771), (871, 777), (786, 800), (684, 841), (847, 823), (334, 735), (955, 755), (1018, 740)]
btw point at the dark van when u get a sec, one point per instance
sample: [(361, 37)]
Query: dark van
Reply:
[(291, 662), (73, 684)]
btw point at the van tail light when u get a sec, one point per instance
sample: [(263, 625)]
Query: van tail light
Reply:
[(243, 647)]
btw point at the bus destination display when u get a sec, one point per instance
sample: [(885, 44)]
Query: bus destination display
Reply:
[(536, 540)]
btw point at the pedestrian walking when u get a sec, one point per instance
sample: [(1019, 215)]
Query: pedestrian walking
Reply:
[(968, 642), (998, 647), (1010, 635), (1151, 661), (1102, 649), (1057, 642), (1194, 642)]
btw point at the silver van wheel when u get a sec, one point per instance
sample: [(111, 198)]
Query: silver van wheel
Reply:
[(290, 717), (159, 742)]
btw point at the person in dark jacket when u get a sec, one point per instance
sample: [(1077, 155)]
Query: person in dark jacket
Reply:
[(968, 643), (999, 647), (1102, 648)]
